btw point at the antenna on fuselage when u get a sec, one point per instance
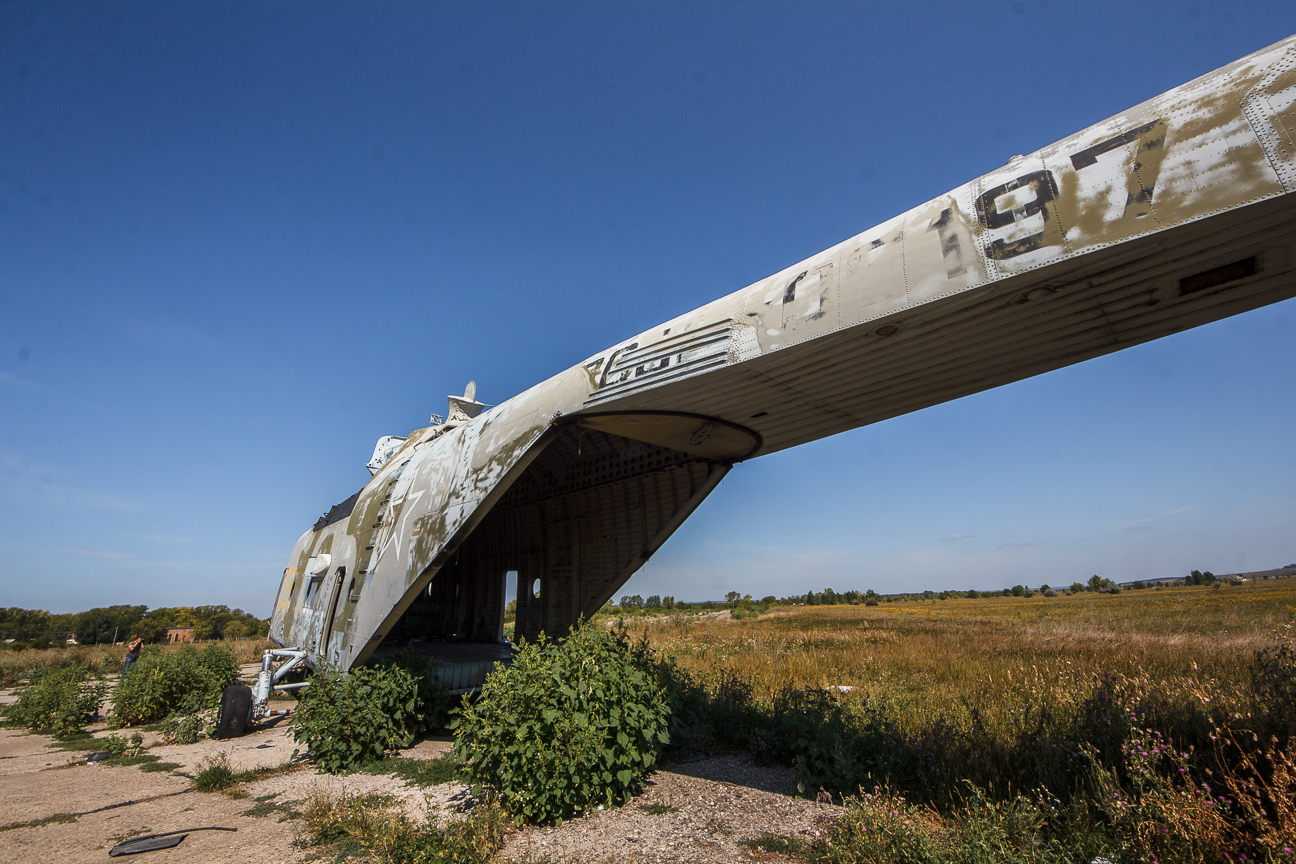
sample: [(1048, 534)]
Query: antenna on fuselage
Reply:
[(464, 408)]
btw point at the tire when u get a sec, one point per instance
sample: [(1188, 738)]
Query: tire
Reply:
[(235, 711)]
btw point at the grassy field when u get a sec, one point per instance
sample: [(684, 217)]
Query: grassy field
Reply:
[(993, 651), (17, 666), (950, 649), (1092, 723)]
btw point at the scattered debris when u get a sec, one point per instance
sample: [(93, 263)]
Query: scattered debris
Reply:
[(153, 842)]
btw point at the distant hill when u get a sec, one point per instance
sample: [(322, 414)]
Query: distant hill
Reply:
[(1279, 573)]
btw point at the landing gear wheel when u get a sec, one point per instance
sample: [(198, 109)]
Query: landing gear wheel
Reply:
[(235, 711)]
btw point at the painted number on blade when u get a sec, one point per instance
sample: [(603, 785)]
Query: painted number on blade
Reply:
[(1044, 190), (1143, 170), (1040, 190)]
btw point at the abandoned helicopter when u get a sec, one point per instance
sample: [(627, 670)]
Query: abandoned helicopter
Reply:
[(1172, 214)]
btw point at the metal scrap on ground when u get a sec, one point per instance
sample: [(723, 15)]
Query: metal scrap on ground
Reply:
[(153, 842)]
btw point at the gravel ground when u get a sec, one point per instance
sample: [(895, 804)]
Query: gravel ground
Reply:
[(55, 808), (80, 810), (694, 812)]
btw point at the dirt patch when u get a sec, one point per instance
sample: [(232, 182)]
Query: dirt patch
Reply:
[(55, 808), (697, 812)]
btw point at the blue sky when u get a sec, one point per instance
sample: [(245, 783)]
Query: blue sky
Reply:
[(240, 242)]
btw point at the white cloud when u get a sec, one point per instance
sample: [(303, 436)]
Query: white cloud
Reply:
[(97, 553), (15, 381), (34, 484), (1138, 525)]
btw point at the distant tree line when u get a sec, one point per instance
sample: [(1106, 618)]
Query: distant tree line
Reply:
[(633, 604), (100, 626)]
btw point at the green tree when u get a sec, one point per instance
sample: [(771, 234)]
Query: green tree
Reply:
[(24, 625), (1106, 586), (235, 630), (98, 626)]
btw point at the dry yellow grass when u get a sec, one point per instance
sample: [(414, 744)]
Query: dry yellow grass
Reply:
[(999, 653), (17, 665)]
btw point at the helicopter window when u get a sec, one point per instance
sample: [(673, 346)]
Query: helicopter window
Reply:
[(313, 588)]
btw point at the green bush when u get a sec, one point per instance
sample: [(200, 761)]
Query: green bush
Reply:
[(568, 726), (350, 720), (432, 703), (185, 724), (58, 699), (117, 746), (161, 683)]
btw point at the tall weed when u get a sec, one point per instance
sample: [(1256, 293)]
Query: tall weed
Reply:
[(163, 682), (16, 666), (881, 826), (58, 699), (1273, 685), (375, 824)]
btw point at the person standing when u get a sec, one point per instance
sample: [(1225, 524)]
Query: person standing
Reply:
[(132, 654)]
